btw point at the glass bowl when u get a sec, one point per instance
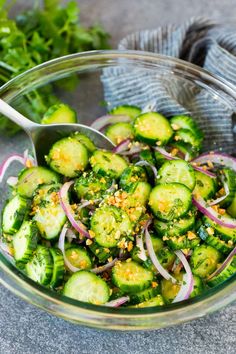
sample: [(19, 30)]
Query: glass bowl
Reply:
[(87, 98)]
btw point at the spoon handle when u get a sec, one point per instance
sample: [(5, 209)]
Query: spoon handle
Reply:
[(16, 117)]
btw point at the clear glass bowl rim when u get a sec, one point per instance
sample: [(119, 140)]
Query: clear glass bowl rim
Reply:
[(101, 316)]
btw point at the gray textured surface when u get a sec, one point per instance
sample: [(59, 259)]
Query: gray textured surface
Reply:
[(25, 329)]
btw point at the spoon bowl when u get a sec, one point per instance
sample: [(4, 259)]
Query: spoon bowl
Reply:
[(44, 136)]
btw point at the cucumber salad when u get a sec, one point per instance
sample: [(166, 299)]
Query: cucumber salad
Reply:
[(150, 223)]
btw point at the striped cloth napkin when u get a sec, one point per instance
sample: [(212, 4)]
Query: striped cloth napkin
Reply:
[(200, 41)]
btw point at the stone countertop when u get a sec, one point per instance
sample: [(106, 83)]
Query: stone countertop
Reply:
[(25, 329)]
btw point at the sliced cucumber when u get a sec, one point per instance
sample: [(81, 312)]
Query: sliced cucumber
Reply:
[(183, 241), (153, 302), (103, 253), (166, 257), (30, 178), (207, 235), (175, 228), (110, 224), (49, 215), (119, 131), (131, 277), (229, 270), (86, 141), (230, 179), (14, 214), (144, 295), (79, 257), (232, 208), (25, 242), (205, 187), (40, 268), (152, 128), (186, 122), (91, 186), (170, 201), (126, 110), (169, 290), (185, 149), (59, 113), (198, 286), (87, 287), (225, 233), (131, 175), (106, 163), (204, 260), (58, 267), (188, 137), (178, 171), (68, 157)]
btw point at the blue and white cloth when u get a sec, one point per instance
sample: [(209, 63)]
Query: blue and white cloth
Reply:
[(200, 41)]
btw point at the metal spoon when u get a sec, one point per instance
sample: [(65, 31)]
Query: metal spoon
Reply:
[(43, 136)]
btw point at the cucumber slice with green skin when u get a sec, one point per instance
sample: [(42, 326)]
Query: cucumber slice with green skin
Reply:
[(131, 277), (103, 253), (188, 137), (184, 148), (106, 163), (48, 213), (87, 287), (131, 175), (110, 224), (119, 132), (90, 186), (59, 113), (58, 267), (230, 179), (83, 139), (159, 158), (204, 260), (165, 256), (40, 268), (224, 233), (144, 295), (170, 201), (68, 157), (215, 241), (186, 122), (25, 242), (198, 286), (232, 208), (79, 257), (14, 214), (229, 270), (155, 301), (206, 187), (169, 290), (175, 228), (157, 243), (183, 242), (126, 110), (31, 178), (178, 171), (148, 156), (152, 128)]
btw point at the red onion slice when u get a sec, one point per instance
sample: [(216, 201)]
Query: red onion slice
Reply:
[(139, 243), (168, 156), (123, 146), (224, 264), (77, 225), (187, 283), (61, 246), (117, 302), (12, 181), (154, 258), (145, 163), (218, 158), (205, 209), (101, 122), (6, 163), (104, 267)]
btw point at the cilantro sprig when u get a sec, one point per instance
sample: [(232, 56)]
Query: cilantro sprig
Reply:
[(36, 36)]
